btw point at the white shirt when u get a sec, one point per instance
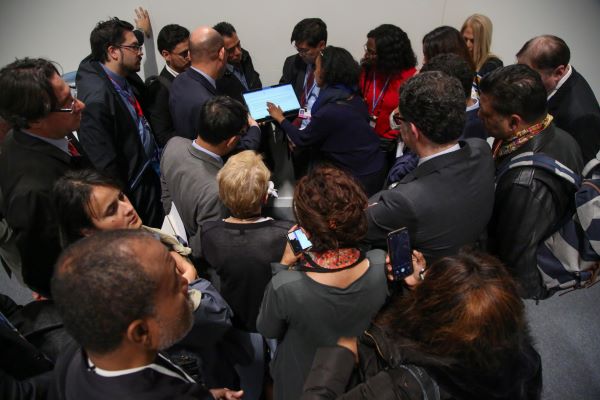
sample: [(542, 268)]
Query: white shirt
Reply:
[(448, 150), (172, 71)]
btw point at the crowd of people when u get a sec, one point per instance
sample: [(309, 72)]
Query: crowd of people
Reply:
[(137, 212)]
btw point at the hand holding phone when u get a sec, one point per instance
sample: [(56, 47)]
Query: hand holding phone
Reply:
[(298, 241), (400, 253)]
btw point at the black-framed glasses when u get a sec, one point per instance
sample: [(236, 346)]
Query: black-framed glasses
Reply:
[(72, 105), (302, 50), (133, 47)]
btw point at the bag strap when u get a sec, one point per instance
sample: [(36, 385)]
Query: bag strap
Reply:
[(591, 166), (542, 161)]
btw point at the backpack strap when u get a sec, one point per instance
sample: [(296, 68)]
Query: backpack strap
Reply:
[(591, 166), (413, 379), (542, 161)]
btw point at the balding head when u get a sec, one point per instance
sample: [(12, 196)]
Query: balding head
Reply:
[(205, 45), (548, 55)]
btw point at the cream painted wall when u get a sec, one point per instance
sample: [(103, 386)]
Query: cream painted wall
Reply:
[(59, 29)]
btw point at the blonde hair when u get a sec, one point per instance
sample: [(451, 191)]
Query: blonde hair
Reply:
[(243, 183), (481, 26)]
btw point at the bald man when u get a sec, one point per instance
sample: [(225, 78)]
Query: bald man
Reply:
[(571, 101), (194, 87)]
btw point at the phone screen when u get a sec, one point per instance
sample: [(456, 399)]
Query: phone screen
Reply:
[(298, 241), (400, 253)]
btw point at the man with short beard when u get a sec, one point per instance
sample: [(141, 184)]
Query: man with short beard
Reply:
[(122, 299), (114, 131)]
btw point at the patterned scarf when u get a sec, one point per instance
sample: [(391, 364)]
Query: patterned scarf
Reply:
[(335, 259), (503, 147)]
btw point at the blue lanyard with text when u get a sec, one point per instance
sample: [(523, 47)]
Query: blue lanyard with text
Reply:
[(385, 85)]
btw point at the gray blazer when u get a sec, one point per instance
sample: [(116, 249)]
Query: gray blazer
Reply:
[(189, 180)]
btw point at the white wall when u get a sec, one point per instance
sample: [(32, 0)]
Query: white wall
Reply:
[(59, 29)]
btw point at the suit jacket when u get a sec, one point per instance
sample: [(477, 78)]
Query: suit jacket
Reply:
[(159, 114), (445, 203), (189, 91), (111, 139), (189, 180), (28, 169), (294, 70), (231, 86), (575, 110)]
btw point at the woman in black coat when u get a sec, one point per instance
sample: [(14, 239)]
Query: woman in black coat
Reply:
[(459, 334)]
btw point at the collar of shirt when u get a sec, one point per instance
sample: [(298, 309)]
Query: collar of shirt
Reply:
[(562, 81), (172, 71), (122, 82), (210, 153), (208, 78), (474, 106), (441, 153), (61, 143)]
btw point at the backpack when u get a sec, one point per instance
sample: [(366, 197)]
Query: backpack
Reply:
[(570, 257)]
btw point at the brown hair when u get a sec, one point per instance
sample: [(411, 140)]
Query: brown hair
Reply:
[(330, 205), (466, 309)]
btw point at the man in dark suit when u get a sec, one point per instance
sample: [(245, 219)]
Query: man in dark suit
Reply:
[(240, 75), (571, 101), (43, 113), (310, 38), (446, 202), (173, 42), (114, 130), (194, 87)]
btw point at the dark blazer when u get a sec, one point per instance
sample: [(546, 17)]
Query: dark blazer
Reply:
[(159, 114), (294, 70), (445, 202), (111, 139), (575, 110), (189, 91), (28, 169), (231, 86)]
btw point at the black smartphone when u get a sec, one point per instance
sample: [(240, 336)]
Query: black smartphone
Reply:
[(298, 241), (400, 253)]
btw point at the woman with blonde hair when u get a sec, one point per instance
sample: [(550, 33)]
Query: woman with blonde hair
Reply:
[(477, 33)]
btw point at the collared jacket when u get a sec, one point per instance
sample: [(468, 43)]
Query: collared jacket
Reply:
[(530, 203), (231, 86)]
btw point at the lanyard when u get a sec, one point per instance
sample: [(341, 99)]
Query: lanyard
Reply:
[(310, 90), (385, 85), (131, 98)]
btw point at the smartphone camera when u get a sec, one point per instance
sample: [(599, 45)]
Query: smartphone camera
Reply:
[(298, 241), (400, 253)]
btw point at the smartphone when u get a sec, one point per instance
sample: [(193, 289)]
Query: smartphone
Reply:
[(298, 241), (400, 253)]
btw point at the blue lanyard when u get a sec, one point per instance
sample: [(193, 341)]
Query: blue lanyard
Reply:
[(385, 85)]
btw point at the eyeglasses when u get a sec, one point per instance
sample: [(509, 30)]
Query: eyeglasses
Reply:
[(132, 47), (398, 119), (302, 50), (72, 105)]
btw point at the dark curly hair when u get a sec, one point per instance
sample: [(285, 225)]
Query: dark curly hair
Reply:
[(105, 34), (516, 89), (330, 205), (435, 103), (339, 67), (100, 286), (446, 39), (394, 50)]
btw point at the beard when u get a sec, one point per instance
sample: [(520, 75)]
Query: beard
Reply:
[(171, 333)]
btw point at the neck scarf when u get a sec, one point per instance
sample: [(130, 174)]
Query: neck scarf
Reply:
[(503, 147)]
